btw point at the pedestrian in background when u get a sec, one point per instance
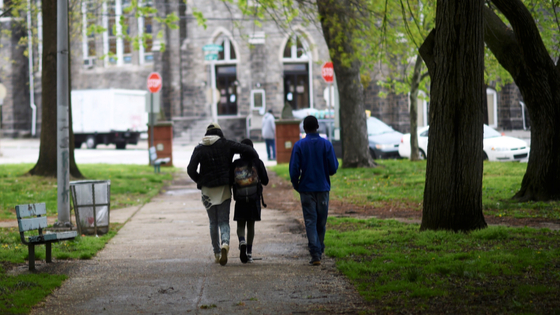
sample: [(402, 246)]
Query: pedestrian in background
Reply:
[(312, 162), (249, 175), (214, 155), (269, 134)]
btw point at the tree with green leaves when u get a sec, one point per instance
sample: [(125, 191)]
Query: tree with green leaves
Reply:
[(46, 164), (342, 22), (404, 27), (529, 52)]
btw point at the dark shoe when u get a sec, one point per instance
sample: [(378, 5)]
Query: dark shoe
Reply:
[(243, 251), (223, 258), (315, 261)]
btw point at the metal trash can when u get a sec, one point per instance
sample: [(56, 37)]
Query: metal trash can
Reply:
[(91, 200)]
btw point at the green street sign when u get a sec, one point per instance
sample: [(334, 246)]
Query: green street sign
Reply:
[(210, 57), (212, 47)]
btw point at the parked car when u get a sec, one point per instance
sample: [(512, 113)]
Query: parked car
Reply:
[(496, 146), (383, 140)]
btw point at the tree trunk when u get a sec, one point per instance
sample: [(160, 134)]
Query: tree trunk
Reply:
[(523, 54), (414, 109), (46, 164), (455, 50), (338, 18)]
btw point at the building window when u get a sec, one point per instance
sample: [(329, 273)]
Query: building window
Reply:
[(228, 53), (112, 31), (258, 100), (125, 31), (145, 30), (89, 20), (492, 106), (297, 73), (117, 43), (422, 109)]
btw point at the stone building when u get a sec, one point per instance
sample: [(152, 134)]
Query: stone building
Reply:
[(16, 114), (257, 68)]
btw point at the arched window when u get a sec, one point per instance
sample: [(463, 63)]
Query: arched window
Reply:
[(298, 87), (228, 52)]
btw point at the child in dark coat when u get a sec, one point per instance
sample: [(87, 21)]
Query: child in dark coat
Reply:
[(247, 210)]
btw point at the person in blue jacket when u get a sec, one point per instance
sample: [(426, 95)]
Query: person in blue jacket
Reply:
[(312, 163)]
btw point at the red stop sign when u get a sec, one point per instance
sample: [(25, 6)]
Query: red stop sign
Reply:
[(328, 72), (154, 82)]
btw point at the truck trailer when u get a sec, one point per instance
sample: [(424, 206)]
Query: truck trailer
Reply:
[(109, 116)]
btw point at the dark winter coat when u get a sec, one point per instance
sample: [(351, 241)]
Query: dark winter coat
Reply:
[(214, 157), (249, 211)]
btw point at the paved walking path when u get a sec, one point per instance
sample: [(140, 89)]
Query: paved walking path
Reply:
[(161, 262)]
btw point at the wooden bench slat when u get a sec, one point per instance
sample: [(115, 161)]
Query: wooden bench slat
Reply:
[(32, 209), (32, 224), (51, 237), (66, 235)]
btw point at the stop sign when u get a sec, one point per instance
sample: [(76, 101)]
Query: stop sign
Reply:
[(154, 82), (328, 72)]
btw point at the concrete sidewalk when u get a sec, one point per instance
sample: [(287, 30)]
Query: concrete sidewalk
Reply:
[(161, 262)]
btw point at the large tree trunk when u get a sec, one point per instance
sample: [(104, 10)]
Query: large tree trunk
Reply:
[(454, 54), (337, 21), (414, 85), (523, 54), (46, 164)]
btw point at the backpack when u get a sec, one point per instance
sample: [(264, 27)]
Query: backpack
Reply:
[(246, 183)]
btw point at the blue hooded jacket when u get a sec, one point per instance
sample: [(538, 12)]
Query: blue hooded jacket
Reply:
[(312, 162)]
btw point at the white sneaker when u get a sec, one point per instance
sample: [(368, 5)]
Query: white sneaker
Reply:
[(249, 258), (225, 250), (217, 257)]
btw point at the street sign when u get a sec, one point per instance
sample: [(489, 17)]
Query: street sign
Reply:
[(210, 57), (154, 82), (327, 71), (213, 47)]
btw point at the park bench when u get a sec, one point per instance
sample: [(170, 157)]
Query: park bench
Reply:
[(155, 161), (32, 217)]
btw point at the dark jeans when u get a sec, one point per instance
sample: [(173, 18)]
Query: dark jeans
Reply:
[(270, 149), (315, 206)]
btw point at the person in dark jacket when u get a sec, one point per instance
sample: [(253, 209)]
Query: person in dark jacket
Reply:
[(312, 162), (248, 210), (214, 155)]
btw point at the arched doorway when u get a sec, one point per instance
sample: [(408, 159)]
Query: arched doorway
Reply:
[(298, 87), (226, 77)]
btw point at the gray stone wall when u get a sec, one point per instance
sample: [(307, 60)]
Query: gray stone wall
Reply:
[(509, 110), (259, 66), (186, 96)]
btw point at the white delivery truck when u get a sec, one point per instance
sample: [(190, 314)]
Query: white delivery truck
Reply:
[(109, 116)]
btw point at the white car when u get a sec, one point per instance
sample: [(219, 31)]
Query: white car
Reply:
[(496, 146)]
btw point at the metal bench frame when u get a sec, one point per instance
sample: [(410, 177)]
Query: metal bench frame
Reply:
[(33, 217)]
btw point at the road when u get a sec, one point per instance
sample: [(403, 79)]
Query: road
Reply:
[(27, 151)]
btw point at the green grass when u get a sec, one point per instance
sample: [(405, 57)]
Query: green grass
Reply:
[(130, 185), (400, 184), (19, 293), (400, 269)]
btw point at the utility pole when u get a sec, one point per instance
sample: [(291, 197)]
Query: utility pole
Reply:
[(63, 135)]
